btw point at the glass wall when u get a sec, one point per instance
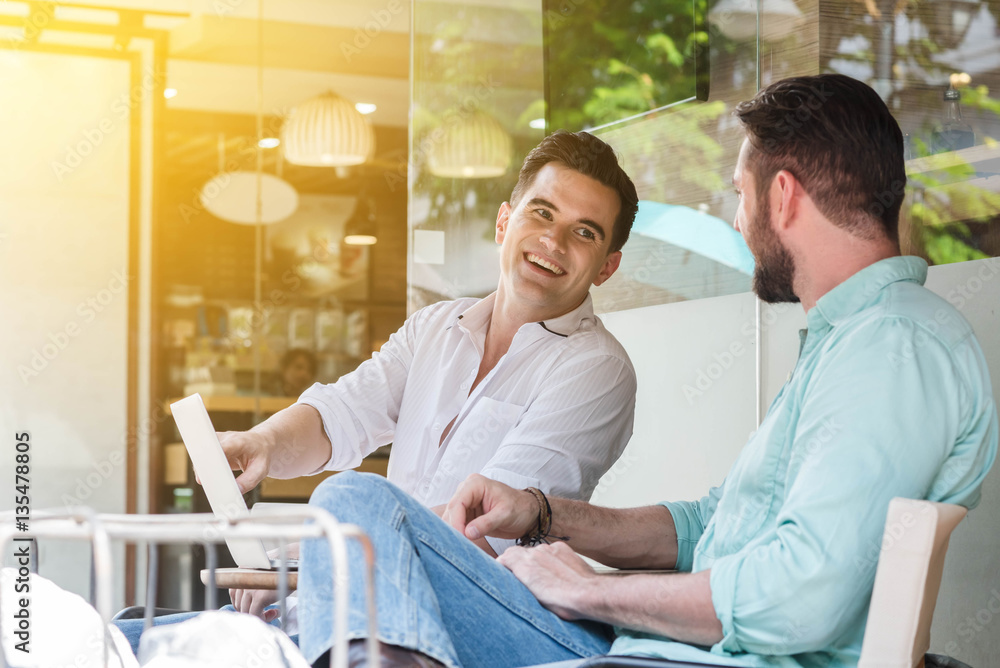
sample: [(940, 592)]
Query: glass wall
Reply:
[(478, 106), (191, 195), (648, 78), (658, 81), (937, 65)]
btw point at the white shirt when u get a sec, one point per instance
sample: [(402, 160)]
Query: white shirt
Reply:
[(554, 413)]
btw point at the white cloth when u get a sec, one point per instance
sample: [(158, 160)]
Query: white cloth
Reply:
[(219, 639), (64, 630), (554, 413)]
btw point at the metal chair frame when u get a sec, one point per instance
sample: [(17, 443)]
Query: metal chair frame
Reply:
[(283, 524)]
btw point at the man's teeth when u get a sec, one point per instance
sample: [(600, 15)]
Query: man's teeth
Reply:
[(547, 265)]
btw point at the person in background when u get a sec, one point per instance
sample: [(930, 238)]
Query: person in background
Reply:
[(296, 372)]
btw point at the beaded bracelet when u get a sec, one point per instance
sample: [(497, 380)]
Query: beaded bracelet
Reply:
[(543, 527)]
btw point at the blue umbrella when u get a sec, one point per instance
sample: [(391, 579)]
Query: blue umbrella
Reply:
[(695, 231)]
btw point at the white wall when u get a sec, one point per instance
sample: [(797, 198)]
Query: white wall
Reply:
[(695, 363), (685, 442), (63, 288)]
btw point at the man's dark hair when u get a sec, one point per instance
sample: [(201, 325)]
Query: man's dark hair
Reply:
[(294, 353), (584, 153), (837, 137)]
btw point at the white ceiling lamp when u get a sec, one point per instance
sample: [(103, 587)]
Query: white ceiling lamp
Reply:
[(737, 19), (475, 146), (233, 196), (327, 131)]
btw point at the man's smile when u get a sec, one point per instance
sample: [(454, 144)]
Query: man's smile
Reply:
[(548, 266)]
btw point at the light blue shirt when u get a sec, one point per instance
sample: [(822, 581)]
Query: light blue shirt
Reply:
[(890, 397)]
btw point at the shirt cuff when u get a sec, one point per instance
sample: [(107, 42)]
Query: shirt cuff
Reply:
[(688, 532), (722, 581)]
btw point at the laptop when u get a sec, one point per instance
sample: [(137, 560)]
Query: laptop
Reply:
[(218, 480)]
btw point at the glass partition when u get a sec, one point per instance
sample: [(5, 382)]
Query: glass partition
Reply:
[(633, 77), (478, 107), (937, 65)]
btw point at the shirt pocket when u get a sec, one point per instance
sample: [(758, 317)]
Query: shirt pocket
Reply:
[(478, 436)]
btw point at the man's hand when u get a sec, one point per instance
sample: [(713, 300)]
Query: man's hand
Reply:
[(254, 601), (482, 507), (250, 452), (555, 574)]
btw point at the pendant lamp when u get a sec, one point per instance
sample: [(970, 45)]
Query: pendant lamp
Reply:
[(327, 131), (473, 146), (737, 19)]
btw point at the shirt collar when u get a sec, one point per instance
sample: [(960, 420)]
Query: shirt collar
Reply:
[(567, 323), (861, 289), (477, 317)]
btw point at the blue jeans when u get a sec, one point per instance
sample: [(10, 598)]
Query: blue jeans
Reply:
[(436, 591)]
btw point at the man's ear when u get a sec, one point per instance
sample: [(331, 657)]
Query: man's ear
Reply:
[(503, 215), (784, 193), (609, 267)]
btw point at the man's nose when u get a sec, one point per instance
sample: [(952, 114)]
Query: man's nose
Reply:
[(554, 239)]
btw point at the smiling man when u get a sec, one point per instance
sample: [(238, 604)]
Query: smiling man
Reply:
[(525, 386), (890, 397)]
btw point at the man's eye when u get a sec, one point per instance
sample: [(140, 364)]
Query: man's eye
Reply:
[(544, 213), (586, 233)]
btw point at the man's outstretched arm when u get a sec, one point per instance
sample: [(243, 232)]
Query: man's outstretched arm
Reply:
[(290, 443), (678, 605), (617, 537)]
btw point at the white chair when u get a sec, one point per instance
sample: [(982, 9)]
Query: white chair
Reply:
[(910, 563)]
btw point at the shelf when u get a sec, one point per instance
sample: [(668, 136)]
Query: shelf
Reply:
[(240, 404)]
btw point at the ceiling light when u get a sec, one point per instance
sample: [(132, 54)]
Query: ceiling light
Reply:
[(537, 124), (361, 229), (737, 19), (169, 93), (365, 107), (327, 131), (268, 142), (474, 147), (232, 196)]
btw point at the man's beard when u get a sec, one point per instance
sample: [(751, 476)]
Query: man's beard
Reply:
[(774, 267)]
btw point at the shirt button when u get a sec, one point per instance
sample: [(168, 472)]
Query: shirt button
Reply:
[(465, 386), (437, 425)]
